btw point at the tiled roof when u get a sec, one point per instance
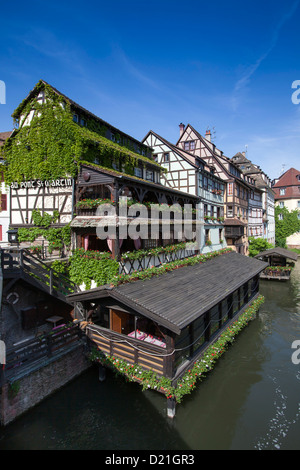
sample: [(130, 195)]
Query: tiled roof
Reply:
[(290, 180), (4, 136)]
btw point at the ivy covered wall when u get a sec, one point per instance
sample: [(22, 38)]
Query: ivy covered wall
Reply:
[(53, 145), (287, 223)]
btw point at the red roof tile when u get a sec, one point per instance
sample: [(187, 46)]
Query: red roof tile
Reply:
[(290, 180)]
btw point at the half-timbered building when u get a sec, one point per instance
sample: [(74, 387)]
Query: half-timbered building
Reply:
[(190, 173), (68, 178), (236, 190), (261, 199), (133, 201)]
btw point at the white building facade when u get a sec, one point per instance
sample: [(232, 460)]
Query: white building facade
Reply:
[(188, 173)]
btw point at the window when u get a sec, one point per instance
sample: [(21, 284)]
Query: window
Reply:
[(75, 117), (282, 191), (166, 157), (280, 217), (149, 175), (281, 204), (198, 333), (0, 233), (190, 145), (207, 235), (214, 319), (229, 211), (205, 210), (3, 202), (220, 235), (138, 172), (298, 203), (82, 122)]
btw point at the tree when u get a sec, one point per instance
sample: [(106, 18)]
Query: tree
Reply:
[(257, 245)]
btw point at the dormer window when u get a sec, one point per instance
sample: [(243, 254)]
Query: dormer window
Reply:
[(282, 191), (190, 145)]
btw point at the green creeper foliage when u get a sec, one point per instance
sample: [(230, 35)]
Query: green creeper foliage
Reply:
[(53, 145), (286, 226)]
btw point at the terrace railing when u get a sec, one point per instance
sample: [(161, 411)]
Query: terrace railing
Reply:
[(21, 263), (34, 353), (128, 266)]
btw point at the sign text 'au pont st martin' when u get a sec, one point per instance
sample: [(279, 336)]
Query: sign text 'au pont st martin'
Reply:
[(35, 184)]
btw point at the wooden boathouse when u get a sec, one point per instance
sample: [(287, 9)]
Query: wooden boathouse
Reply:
[(280, 263), (165, 323)]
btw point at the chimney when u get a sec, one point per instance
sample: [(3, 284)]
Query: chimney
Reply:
[(207, 135), (181, 127)]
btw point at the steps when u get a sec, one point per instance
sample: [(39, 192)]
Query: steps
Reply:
[(19, 263)]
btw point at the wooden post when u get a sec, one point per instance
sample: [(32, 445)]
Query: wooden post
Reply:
[(102, 373), (171, 407), (51, 281), (117, 240)]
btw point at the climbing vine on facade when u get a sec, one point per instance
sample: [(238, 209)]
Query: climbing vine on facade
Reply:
[(286, 223), (53, 145)]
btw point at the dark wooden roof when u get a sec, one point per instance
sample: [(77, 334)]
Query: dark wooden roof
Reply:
[(133, 179), (177, 298), (278, 251)]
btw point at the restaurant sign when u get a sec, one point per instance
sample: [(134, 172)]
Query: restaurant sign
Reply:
[(35, 184)]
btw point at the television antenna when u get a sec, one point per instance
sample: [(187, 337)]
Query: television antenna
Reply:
[(213, 134)]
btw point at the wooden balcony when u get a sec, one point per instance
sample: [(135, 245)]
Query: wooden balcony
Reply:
[(133, 351), (234, 231)]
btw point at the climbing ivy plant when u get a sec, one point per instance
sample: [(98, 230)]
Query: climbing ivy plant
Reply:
[(287, 225), (53, 145)]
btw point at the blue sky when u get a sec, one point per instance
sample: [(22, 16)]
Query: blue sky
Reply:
[(227, 66)]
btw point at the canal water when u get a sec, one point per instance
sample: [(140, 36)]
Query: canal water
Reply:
[(251, 400)]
